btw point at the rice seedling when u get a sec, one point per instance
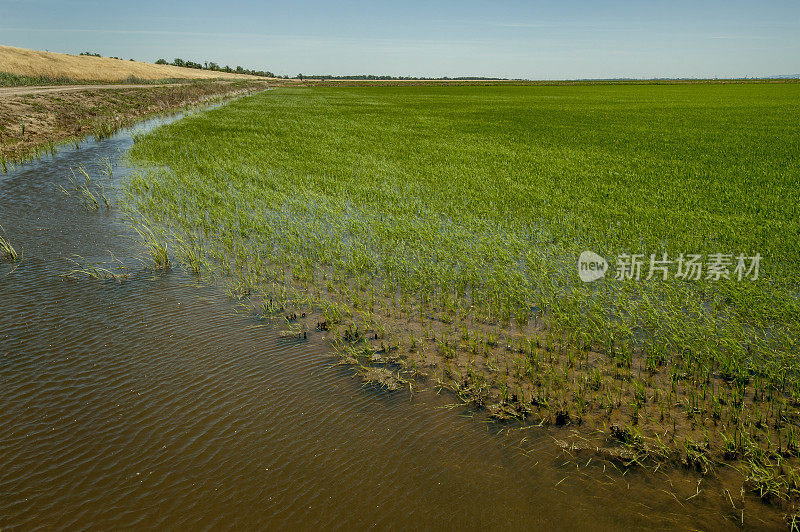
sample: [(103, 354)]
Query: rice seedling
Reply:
[(155, 246), (85, 268), (7, 251), (83, 187), (453, 218)]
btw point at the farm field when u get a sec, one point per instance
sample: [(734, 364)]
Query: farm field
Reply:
[(434, 234)]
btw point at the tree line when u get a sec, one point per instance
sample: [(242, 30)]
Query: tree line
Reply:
[(212, 66)]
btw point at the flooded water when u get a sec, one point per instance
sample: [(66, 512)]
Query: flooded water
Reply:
[(152, 402)]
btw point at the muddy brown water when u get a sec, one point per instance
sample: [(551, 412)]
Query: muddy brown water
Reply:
[(154, 403)]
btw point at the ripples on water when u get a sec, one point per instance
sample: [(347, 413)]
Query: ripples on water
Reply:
[(152, 403)]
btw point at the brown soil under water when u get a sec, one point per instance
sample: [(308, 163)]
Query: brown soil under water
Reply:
[(492, 385)]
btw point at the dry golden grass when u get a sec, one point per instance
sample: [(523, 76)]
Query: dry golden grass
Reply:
[(25, 62)]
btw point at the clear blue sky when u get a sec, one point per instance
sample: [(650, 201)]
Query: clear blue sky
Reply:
[(515, 39)]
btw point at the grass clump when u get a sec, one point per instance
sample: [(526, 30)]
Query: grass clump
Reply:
[(156, 247), (82, 186), (98, 271), (444, 224), (7, 252)]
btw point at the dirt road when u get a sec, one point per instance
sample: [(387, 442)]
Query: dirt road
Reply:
[(20, 91)]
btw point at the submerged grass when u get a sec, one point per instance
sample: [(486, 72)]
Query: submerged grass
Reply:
[(98, 271), (440, 227), (7, 251), (83, 187)]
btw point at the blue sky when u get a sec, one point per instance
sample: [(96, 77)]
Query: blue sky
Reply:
[(516, 39)]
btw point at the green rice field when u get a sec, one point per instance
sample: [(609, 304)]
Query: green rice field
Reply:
[(433, 234)]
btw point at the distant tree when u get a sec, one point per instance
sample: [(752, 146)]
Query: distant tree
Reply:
[(210, 65)]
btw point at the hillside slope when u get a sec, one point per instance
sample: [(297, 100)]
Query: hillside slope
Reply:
[(26, 62)]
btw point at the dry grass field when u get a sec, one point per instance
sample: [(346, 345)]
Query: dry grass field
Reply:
[(23, 62)]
